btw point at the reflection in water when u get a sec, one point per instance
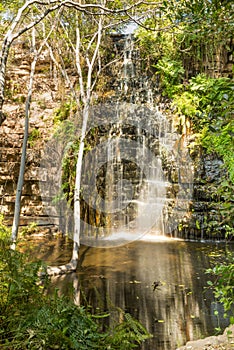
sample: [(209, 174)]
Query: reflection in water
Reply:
[(178, 310)]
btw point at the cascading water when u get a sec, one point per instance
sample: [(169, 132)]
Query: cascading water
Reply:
[(136, 172), (145, 186)]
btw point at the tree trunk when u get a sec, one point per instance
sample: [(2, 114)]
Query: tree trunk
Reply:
[(20, 183), (3, 62), (72, 265), (76, 237)]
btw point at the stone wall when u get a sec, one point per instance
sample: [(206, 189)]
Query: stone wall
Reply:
[(11, 137), (203, 212), (215, 62), (44, 101)]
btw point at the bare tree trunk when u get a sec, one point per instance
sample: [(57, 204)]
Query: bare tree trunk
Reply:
[(86, 96), (76, 237), (86, 86), (3, 62), (49, 6), (20, 183)]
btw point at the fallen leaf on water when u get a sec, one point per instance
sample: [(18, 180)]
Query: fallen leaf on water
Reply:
[(135, 281)]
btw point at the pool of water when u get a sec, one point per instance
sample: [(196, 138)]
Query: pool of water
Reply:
[(179, 309)]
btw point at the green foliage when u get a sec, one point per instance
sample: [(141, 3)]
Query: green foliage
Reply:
[(222, 202), (9, 7), (4, 230), (186, 103), (18, 279), (223, 286), (128, 334), (33, 137), (194, 32), (222, 142), (204, 103), (209, 103), (172, 73), (157, 43), (30, 229), (172, 70), (66, 110), (212, 92), (31, 319)]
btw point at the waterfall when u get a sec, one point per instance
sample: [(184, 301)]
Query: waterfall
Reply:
[(145, 186), (136, 173)]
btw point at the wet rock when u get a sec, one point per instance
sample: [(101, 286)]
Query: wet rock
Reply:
[(212, 168), (220, 342)]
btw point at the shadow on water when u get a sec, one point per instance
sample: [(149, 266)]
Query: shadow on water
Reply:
[(162, 284)]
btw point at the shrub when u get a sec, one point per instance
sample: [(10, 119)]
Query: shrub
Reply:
[(223, 286), (32, 319)]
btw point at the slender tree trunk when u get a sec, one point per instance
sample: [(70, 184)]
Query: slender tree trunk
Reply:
[(20, 183), (76, 237), (85, 96), (3, 63)]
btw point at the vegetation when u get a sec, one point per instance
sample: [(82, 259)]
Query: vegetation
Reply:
[(31, 319), (223, 284), (208, 105), (33, 137), (187, 59)]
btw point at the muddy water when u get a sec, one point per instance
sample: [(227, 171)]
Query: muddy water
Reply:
[(178, 310)]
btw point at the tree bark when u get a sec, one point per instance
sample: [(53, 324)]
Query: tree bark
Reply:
[(20, 183), (86, 94)]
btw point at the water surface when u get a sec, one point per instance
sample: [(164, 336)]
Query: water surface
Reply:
[(178, 310)]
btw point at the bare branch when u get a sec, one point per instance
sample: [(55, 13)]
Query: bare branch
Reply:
[(10, 37), (78, 65), (80, 7)]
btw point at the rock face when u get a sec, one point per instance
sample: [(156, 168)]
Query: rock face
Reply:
[(142, 130), (128, 84), (203, 209), (220, 342), (11, 137)]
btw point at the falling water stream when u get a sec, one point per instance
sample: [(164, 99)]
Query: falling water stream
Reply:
[(146, 176), (137, 176)]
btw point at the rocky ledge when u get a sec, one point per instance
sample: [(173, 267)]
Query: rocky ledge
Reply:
[(224, 341)]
